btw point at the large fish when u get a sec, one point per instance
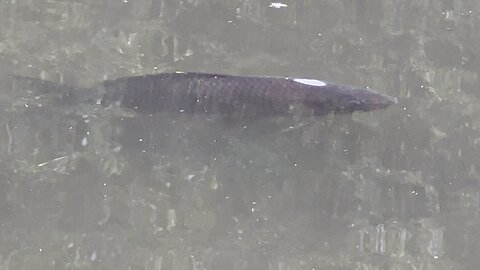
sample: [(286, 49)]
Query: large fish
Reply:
[(241, 96)]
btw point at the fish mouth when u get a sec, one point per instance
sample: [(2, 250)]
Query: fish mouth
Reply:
[(384, 101), (389, 100), (372, 100), (369, 102)]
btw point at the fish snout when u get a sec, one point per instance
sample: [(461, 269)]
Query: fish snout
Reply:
[(365, 100), (383, 101)]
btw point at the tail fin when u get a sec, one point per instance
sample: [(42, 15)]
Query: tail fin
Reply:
[(62, 94), (41, 86)]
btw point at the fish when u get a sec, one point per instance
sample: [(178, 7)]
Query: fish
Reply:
[(242, 95), (231, 95)]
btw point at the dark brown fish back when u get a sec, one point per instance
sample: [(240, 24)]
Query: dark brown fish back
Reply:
[(203, 93)]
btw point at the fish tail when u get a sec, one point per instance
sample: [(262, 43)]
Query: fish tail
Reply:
[(64, 93)]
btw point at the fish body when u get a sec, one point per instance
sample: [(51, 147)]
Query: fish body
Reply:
[(201, 93), (238, 95)]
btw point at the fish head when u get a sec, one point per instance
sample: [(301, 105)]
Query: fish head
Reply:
[(361, 99), (346, 99)]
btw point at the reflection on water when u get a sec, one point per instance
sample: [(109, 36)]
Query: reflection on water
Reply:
[(88, 187)]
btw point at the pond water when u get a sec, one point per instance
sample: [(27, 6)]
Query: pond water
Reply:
[(83, 186)]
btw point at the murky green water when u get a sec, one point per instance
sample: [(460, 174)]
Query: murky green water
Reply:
[(85, 187)]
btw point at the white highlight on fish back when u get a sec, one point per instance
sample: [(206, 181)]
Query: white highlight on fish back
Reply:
[(312, 82), (277, 5)]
